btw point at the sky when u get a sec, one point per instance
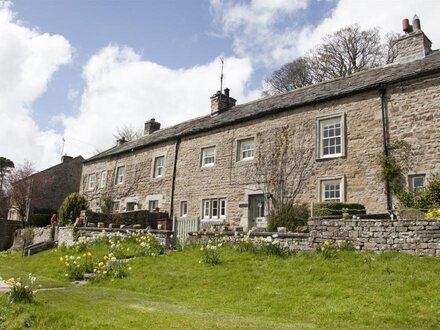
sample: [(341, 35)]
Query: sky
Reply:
[(79, 70)]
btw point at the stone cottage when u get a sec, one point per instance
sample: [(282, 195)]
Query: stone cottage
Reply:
[(48, 188), (217, 167)]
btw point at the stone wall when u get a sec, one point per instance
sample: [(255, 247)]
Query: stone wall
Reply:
[(291, 241), (417, 237), (7, 230), (144, 218)]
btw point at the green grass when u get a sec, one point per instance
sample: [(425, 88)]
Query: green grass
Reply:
[(246, 291)]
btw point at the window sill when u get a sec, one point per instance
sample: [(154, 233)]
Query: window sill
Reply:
[(329, 157)]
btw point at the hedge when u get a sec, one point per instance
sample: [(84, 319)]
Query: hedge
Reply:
[(39, 220), (324, 209)]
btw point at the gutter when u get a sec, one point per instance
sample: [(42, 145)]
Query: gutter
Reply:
[(382, 91), (173, 178)]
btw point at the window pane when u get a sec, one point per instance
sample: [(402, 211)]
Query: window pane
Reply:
[(331, 135)]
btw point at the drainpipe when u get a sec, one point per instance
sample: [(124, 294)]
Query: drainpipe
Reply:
[(382, 91), (173, 179)]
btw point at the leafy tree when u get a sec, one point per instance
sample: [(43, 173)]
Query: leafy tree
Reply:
[(71, 208), (5, 168), (341, 53)]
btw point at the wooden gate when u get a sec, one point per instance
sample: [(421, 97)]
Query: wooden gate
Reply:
[(183, 226)]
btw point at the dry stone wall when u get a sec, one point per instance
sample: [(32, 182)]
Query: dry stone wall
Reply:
[(417, 237)]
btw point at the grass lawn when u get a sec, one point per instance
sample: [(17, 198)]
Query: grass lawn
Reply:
[(246, 291)]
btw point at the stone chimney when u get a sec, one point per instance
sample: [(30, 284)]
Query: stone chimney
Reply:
[(414, 44), (151, 126), (121, 141), (65, 158), (221, 102)]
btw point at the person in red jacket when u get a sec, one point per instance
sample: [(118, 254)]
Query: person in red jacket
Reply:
[(53, 220)]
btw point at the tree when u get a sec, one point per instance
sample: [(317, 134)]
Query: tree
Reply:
[(284, 165), (128, 132), (71, 208), (25, 188), (340, 54), (5, 168), (290, 76)]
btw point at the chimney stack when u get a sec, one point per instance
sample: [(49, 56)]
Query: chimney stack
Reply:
[(151, 126), (121, 141), (414, 45), (221, 102), (65, 158)]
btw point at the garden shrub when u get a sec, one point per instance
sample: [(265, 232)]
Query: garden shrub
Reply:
[(71, 208), (290, 217), (106, 204), (433, 214), (324, 209)]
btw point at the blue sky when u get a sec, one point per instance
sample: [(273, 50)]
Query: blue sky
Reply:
[(79, 70)]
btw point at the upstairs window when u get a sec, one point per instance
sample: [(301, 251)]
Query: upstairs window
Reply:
[(120, 173), (92, 181), (246, 149), (331, 137), (158, 166), (417, 183), (103, 179), (208, 156)]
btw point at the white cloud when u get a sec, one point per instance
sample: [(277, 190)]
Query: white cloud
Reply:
[(255, 29), (28, 60), (267, 32), (387, 15), (122, 89)]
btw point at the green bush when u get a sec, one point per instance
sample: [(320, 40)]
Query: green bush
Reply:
[(324, 209), (290, 217), (39, 220), (423, 201), (71, 208)]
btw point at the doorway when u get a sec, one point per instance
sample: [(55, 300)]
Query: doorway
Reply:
[(256, 209)]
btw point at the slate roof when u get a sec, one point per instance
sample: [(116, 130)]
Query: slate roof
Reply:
[(333, 89)]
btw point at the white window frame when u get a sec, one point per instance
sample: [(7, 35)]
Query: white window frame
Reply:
[(91, 182), (153, 204), (207, 156), (116, 206), (131, 203), (120, 175), (246, 154), (411, 180), (321, 121), (214, 208), (159, 168), (183, 208), (103, 182), (331, 180)]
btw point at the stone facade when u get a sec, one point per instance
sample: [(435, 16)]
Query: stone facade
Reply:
[(210, 172), (54, 184), (418, 237)]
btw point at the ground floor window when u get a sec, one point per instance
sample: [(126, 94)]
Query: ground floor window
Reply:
[(153, 205), (214, 208), (115, 206), (131, 206), (417, 182), (331, 190), (183, 208)]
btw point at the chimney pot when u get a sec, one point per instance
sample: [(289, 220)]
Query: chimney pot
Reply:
[(407, 28), (416, 23)]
